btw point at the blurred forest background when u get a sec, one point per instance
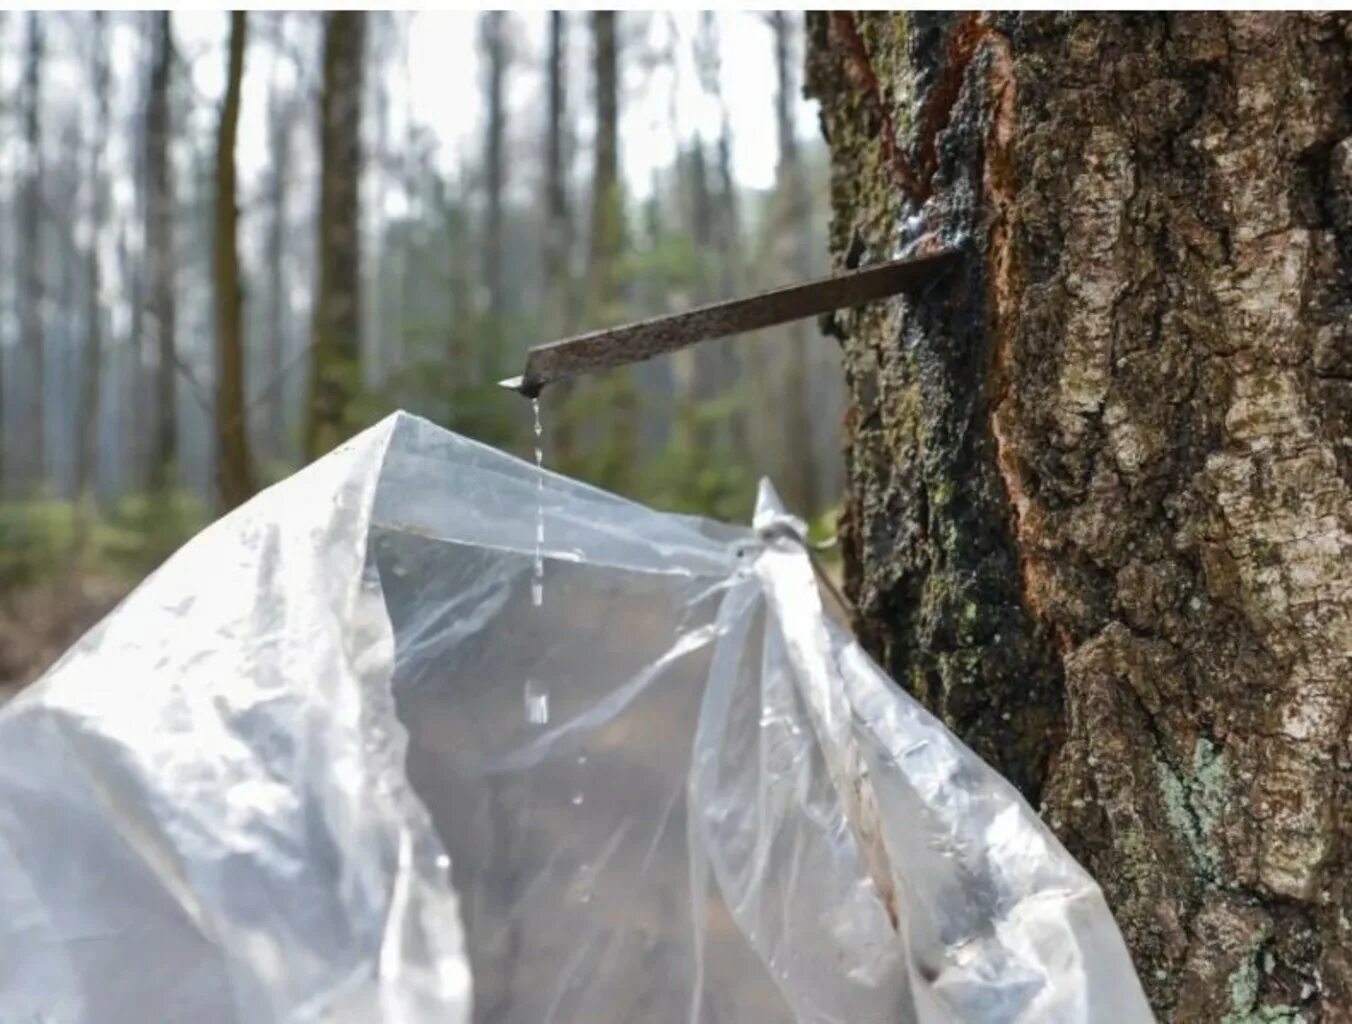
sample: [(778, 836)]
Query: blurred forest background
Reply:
[(229, 241)]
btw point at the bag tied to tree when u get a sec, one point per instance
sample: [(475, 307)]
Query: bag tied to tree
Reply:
[(332, 763)]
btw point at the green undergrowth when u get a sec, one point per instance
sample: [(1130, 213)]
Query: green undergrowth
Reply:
[(42, 537)]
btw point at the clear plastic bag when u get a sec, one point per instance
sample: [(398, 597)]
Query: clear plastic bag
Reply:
[(330, 763)]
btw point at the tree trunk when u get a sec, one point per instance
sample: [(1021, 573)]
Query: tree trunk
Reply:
[(697, 369), (605, 406), (335, 345), (129, 382), (374, 359), (722, 367), (1099, 514), (91, 373), (160, 257), (607, 206), (280, 125), (798, 451), (493, 40), (234, 471), (558, 224), (610, 403), (30, 283)]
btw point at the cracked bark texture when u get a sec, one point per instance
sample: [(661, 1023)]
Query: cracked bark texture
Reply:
[(1099, 514)]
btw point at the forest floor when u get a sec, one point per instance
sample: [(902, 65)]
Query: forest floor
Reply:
[(38, 623)]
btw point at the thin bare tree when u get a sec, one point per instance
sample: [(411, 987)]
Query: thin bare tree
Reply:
[(30, 279), (558, 222), (607, 225), (234, 469), (335, 374), (798, 461), (91, 372), (160, 255), (493, 41)]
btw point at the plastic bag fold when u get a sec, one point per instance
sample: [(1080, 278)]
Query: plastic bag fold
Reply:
[(332, 763)]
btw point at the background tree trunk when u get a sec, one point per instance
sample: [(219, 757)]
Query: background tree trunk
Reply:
[(799, 459), (161, 257), (132, 398), (31, 267), (558, 222), (281, 124), (91, 372), (336, 346), (607, 209), (234, 470), (723, 362), (1099, 514), (493, 43), (708, 54), (610, 403), (604, 406)]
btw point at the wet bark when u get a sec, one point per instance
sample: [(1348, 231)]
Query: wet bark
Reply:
[(234, 470), (335, 345), (1099, 514)]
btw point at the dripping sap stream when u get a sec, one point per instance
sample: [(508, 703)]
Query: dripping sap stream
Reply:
[(537, 583)]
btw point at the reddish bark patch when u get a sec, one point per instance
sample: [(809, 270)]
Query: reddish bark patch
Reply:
[(859, 68), (999, 186), (963, 42)]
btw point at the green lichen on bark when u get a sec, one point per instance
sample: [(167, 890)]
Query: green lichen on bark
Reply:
[(1195, 804), (1245, 983), (1099, 512), (927, 513)]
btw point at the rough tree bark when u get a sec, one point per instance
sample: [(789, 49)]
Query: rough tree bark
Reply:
[(1099, 514), (336, 345), (234, 469), (161, 257)]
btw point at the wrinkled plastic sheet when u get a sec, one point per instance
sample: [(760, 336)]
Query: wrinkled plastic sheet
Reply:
[(331, 763)]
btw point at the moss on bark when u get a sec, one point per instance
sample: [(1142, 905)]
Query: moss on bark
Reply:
[(1098, 513)]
